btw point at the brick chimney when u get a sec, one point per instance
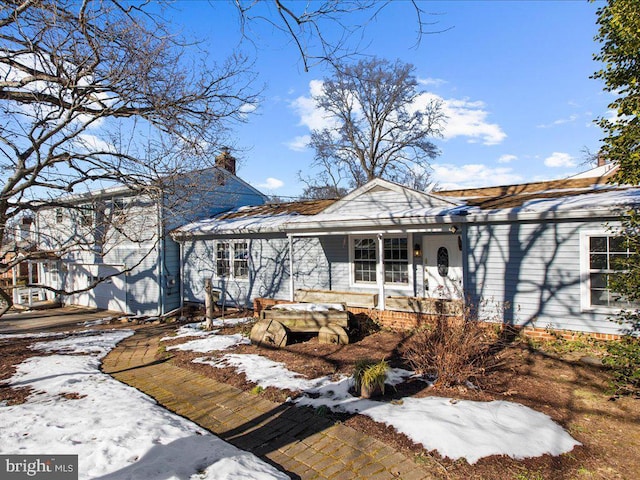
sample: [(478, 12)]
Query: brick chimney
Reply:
[(601, 160), (226, 160)]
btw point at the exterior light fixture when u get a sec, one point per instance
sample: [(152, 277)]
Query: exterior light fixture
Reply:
[(417, 250), (453, 229)]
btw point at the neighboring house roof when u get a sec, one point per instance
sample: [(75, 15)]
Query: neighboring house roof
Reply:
[(605, 170), (123, 190), (268, 218)]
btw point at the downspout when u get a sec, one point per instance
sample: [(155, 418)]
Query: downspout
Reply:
[(380, 276), (291, 280), (181, 279), (161, 255)]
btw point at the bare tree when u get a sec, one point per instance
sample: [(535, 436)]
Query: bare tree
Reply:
[(305, 24), (95, 93), (380, 126)]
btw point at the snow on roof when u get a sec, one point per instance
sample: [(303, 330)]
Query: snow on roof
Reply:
[(601, 171), (372, 217), (610, 198), (567, 184), (570, 198), (268, 218)]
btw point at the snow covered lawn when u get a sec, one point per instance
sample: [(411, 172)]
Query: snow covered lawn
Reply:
[(116, 431), (454, 428)]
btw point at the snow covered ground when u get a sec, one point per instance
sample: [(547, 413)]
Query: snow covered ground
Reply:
[(116, 431), (454, 428), (120, 433)]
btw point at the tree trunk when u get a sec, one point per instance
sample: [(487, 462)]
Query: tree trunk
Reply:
[(6, 302), (209, 304)]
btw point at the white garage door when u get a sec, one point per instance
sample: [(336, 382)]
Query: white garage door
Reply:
[(109, 294)]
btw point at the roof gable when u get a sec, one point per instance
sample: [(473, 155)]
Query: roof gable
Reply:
[(383, 195)]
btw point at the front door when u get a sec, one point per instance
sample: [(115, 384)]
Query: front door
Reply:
[(442, 260)]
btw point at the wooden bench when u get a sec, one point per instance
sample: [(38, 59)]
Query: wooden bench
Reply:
[(278, 321)]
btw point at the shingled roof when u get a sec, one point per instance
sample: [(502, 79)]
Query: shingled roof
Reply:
[(512, 196), (303, 207)]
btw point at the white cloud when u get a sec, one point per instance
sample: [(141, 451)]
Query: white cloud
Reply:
[(310, 115), (436, 82), (93, 143), (465, 118), (474, 175), (560, 160), (271, 184), (560, 121), (299, 143), (247, 107), (507, 158)]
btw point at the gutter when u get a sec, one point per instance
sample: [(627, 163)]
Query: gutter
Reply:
[(430, 223)]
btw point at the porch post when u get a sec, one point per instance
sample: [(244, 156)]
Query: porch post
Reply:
[(30, 270), (380, 276), (14, 282), (291, 281)]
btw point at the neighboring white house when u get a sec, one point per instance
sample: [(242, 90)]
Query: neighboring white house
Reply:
[(112, 245), (535, 255)]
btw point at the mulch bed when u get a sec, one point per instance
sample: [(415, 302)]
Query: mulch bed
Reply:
[(572, 393)]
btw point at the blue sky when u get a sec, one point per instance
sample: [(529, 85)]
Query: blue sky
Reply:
[(513, 75)]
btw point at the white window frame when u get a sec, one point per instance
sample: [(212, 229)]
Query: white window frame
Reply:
[(237, 262), (232, 261), (585, 273), (352, 260), (87, 215), (380, 273)]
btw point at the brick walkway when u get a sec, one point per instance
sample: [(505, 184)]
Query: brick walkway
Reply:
[(296, 440)]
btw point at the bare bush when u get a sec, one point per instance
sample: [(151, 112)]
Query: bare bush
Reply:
[(454, 351)]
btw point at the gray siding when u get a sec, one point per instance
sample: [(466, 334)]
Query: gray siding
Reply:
[(171, 275), (143, 290), (323, 263), (268, 270), (530, 274), (205, 194)]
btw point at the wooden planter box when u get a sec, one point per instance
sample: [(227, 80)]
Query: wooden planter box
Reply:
[(307, 322), (351, 299), (430, 306)]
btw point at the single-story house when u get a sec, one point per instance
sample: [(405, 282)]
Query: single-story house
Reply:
[(113, 245), (535, 255)]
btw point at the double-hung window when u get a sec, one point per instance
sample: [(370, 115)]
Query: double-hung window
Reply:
[(232, 259), (222, 259), (395, 260), (365, 260), (86, 215), (240, 260), (605, 251)]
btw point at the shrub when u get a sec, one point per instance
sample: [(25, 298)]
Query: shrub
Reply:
[(369, 376), (453, 351), (624, 359)]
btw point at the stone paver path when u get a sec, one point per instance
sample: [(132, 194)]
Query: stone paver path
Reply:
[(296, 440)]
